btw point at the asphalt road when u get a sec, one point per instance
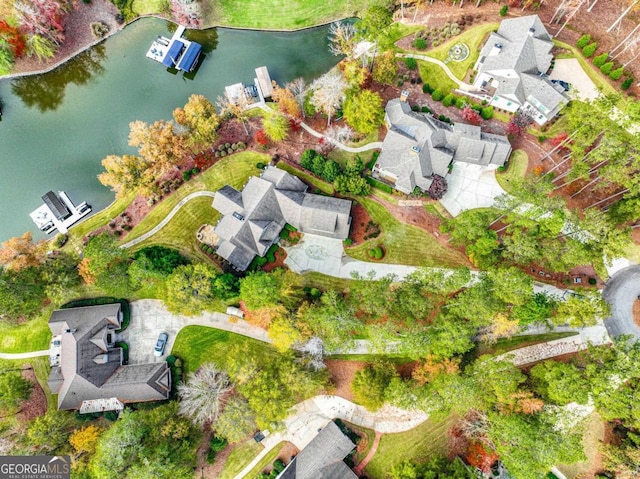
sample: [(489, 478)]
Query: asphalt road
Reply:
[(620, 292)]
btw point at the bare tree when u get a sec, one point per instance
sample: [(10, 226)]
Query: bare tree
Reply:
[(341, 38), (339, 134), (235, 108), (329, 92), (624, 14), (298, 88), (203, 396)]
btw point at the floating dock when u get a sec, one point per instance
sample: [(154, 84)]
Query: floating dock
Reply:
[(58, 212), (253, 95), (175, 52)]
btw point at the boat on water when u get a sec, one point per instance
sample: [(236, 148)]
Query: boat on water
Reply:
[(175, 52), (58, 213)]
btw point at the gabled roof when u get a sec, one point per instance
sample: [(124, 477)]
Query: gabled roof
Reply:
[(90, 369), (323, 457), (417, 147), (254, 217)]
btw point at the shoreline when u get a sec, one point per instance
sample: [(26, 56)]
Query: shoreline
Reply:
[(62, 61)]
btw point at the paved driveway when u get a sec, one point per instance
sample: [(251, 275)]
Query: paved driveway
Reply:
[(469, 187), (570, 70), (621, 291), (149, 318)]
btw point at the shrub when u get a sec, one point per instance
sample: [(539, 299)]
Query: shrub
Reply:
[(601, 59), (378, 252), (99, 29), (592, 281), (504, 10), (223, 154), (347, 242), (420, 43), (583, 41), (437, 94), (590, 49), (260, 165), (415, 108), (487, 112), (449, 100), (542, 138), (461, 102), (426, 88), (606, 68), (411, 63), (227, 145), (306, 160), (425, 109), (60, 240), (617, 73), (441, 117), (111, 416), (626, 84), (241, 145)]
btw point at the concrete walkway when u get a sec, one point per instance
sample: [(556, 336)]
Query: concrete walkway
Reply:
[(31, 354), (462, 85), (327, 256), (309, 417), (469, 187), (168, 218)]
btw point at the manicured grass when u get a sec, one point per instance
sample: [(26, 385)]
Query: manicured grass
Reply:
[(32, 335), (241, 455), (266, 461), (41, 368), (517, 342), (405, 244), (435, 76), (323, 186), (474, 38), (233, 170), (281, 14), (198, 344), (324, 282), (420, 444), (79, 231), (142, 7), (515, 171), (180, 232)]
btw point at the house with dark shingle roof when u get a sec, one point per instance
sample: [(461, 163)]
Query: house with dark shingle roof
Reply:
[(512, 68), (253, 218), (418, 146), (91, 366), (323, 458)]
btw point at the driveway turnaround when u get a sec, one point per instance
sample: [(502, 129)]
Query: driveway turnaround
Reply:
[(326, 255), (470, 187), (570, 71), (620, 292), (149, 318)]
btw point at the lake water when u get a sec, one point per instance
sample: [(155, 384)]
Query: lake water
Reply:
[(58, 127)]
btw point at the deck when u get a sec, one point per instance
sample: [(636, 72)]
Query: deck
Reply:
[(175, 52), (47, 221)]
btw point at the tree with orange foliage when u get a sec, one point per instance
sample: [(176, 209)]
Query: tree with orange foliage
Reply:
[(478, 456), (21, 252), (431, 368), (524, 402), (85, 272), (287, 102)]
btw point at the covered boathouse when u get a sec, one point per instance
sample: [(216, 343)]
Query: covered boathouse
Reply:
[(176, 52)]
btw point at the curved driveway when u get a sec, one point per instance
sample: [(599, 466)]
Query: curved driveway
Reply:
[(620, 292)]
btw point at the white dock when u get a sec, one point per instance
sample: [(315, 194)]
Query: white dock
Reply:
[(47, 221)]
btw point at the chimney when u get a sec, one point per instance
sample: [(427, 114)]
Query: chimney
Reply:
[(404, 95)]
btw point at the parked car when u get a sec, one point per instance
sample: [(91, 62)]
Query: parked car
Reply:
[(161, 344)]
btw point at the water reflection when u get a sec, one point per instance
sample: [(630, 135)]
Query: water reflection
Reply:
[(207, 38), (46, 92)]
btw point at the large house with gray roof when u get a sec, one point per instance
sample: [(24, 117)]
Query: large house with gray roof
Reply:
[(512, 69), (418, 146), (323, 458), (253, 218), (91, 375)]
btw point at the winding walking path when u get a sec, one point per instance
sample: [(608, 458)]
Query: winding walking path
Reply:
[(461, 84), (167, 218), (31, 354)]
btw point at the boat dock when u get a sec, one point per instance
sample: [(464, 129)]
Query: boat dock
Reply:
[(58, 212), (175, 52), (253, 95)]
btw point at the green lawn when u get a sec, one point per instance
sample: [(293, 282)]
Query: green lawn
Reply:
[(515, 171), (266, 461), (241, 455), (280, 14), (41, 368), (405, 244), (324, 282), (427, 440), (142, 7), (517, 342), (594, 434), (198, 344), (474, 38), (435, 76), (32, 335)]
